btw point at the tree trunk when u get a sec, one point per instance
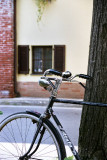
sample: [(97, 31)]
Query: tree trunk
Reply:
[(93, 127)]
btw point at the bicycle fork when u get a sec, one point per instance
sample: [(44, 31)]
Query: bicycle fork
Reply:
[(46, 115), (26, 156), (66, 137)]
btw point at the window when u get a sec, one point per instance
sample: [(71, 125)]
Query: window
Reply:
[(42, 59)]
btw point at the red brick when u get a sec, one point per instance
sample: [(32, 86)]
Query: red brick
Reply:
[(32, 89), (6, 48)]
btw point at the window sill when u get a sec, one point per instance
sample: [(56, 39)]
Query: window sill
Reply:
[(36, 74)]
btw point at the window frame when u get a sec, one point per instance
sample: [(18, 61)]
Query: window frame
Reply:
[(38, 73)]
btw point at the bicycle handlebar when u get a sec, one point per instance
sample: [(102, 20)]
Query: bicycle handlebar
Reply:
[(47, 83), (52, 71), (84, 76), (66, 74)]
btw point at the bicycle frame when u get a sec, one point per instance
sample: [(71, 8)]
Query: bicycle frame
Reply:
[(70, 144), (64, 134), (57, 100), (66, 137), (49, 113)]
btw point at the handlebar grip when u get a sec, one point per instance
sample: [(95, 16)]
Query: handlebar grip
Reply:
[(84, 76), (52, 71)]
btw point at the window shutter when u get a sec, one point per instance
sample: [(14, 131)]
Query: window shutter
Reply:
[(23, 59), (59, 57)]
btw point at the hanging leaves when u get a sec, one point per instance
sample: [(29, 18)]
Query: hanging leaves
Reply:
[(41, 4)]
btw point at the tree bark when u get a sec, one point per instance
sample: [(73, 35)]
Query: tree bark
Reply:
[(93, 127)]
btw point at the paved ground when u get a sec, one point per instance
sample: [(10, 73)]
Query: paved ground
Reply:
[(68, 114)]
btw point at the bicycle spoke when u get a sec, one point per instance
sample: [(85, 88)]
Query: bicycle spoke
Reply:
[(16, 137), (9, 140)]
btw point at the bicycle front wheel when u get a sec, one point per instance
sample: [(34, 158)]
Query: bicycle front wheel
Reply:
[(17, 132)]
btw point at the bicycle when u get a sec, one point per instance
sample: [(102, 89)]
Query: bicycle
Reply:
[(30, 135)]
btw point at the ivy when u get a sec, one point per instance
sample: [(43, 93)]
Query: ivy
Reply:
[(41, 4)]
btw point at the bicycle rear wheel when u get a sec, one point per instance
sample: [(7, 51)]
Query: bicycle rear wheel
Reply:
[(17, 132)]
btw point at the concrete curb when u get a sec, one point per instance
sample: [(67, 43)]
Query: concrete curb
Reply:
[(32, 101), (23, 101)]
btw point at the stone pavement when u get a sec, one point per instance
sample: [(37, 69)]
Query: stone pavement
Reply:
[(32, 101), (12, 148)]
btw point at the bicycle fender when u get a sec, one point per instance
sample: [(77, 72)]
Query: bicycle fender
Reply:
[(34, 113)]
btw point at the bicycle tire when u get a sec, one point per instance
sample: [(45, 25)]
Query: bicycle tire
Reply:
[(16, 132)]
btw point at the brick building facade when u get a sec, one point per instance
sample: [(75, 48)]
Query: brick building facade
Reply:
[(15, 17), (7, 48)]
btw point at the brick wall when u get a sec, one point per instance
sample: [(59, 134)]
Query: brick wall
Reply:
[(67, 90), (6, 48)]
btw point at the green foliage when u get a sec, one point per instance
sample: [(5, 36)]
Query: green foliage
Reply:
[(41, 4), (69, 158), (1, 112)]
